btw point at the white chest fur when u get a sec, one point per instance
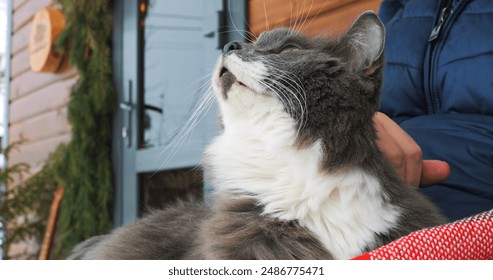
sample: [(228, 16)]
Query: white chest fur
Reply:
[(255, 157)]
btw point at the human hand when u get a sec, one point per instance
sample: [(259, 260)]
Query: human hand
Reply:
[(405, 154)]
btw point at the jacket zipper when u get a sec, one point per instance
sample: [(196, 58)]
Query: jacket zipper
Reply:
[(447, 15), (432, 95), (441, 20)]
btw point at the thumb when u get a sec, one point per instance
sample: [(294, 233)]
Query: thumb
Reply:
[(434, 171)]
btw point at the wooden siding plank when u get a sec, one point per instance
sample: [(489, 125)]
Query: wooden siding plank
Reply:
[(50, 124), (306, 13), (51, 97), (26, 12), (31, 81), (18, 3), (19, 63), (20, 38), (275, 13), (338, 21), (36, 153)]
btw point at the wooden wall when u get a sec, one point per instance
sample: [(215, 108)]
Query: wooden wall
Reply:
[(38, 112), (310, 16), (38, 101)]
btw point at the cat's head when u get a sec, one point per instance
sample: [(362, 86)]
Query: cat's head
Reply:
[(328, 86)]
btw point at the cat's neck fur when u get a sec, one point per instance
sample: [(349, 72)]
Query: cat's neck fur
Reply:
[(257, 157)]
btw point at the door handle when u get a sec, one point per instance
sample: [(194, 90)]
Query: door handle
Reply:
[(127, 107), (125, 128)]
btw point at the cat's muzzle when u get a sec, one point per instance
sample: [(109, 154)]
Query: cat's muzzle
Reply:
[(224, 71), (227, 79)]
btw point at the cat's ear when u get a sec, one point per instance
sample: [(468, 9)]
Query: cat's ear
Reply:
[(365, 42)]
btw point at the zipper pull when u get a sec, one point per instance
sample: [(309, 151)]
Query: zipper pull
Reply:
[(443, 17)]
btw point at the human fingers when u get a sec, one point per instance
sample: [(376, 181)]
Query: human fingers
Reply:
[(402, 151), (434, 171), (390, 148)]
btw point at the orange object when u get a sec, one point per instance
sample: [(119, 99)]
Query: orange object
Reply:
[(44, 253), (46, 26)]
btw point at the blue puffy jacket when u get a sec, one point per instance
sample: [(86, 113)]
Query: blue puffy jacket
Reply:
[(438, 85)]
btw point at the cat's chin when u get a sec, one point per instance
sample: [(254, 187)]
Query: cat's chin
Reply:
[(226, 76), (223, 71), (225, 80)]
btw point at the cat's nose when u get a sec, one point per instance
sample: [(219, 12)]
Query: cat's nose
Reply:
[(231, 46)]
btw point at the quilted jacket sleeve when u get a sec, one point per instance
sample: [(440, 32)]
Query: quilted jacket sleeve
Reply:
[(388, 9), (441, 93)]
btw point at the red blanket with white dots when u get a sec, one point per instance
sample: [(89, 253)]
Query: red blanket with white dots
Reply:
[(467, 239)]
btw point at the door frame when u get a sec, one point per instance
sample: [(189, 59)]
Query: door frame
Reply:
[(127, 80)]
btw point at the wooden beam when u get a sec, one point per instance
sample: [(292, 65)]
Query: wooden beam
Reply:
[(44, 253)]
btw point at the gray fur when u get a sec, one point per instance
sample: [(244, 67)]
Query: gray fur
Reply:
[(237, 229), (233, 229), (163, 234), (340, 79)]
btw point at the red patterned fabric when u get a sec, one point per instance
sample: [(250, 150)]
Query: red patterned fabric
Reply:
[(467, 239)]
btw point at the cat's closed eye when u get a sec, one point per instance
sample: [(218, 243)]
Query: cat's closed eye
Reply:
[(290, 48)]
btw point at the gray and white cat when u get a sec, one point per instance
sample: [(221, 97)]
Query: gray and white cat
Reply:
[(296, 170)]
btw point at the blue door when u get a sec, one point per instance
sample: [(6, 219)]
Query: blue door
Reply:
[(165, 52)]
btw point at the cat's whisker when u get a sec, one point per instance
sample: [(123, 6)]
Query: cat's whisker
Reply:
[(273, 87), (282, 97), (290, 78), (187, 128), (282, 92), (295, 88), (299, 19), (197, 115), (303, 111), (296, 84), (166, 140), (290, 86), (306, 16), (234, 24), (267, 27), (291, 17), (251, 35), (204, 81), (313, 17), (247, 37), (198, 90), (174, 142), (200, 115)]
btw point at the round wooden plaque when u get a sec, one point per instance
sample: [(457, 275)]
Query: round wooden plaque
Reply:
[(46, 26)]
